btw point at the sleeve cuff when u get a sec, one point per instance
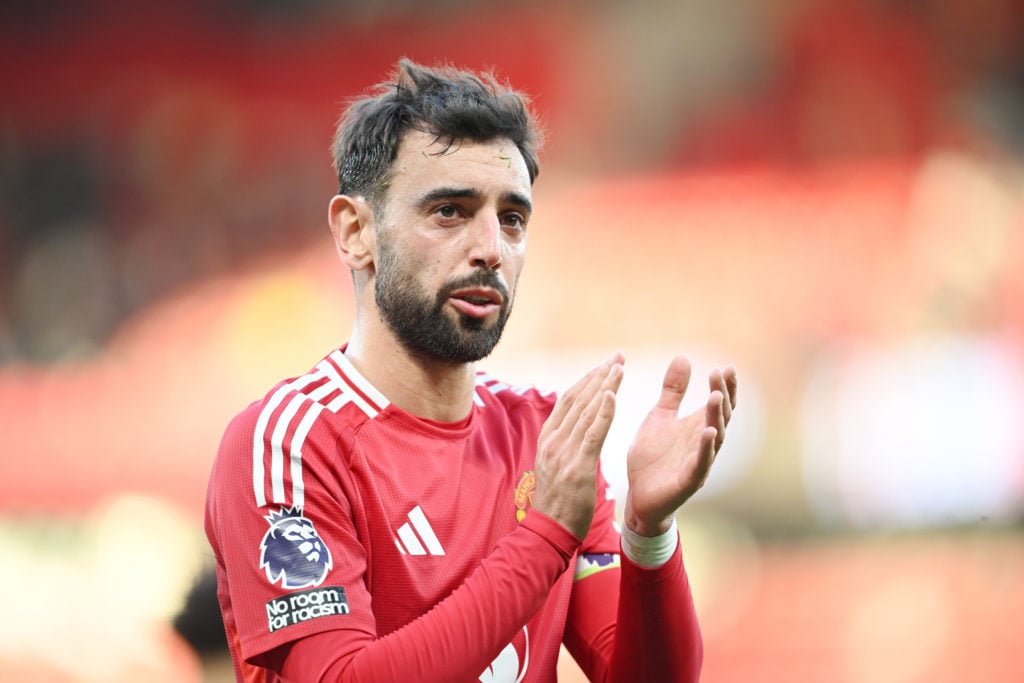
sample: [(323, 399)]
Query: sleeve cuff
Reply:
[(650, 552), (563, 540)]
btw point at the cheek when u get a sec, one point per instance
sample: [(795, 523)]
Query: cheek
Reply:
[(427, 256), (405, 261), (513, 267)]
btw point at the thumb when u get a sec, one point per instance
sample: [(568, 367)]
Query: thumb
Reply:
[(673, 388)]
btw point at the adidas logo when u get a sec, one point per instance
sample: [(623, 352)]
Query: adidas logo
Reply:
[(415, 534)]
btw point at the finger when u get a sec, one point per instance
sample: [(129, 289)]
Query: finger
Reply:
[(718, 382), (566, 401), (593, 438), (608, 377), (673, 388), (730, 383), (714, 417), (590, 422), (706, 456)]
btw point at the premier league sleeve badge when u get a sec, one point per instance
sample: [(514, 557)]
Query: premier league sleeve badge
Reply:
[(292, 551)]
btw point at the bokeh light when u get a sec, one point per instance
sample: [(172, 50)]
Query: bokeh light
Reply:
[(829, 195)]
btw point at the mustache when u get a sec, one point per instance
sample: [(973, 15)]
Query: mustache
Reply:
[(479, 278)]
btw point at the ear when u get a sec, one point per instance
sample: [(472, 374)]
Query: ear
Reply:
[(351, 221)]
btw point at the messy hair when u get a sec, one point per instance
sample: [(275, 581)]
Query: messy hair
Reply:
[(452, 104)]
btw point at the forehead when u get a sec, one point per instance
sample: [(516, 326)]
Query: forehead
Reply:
[(492, 166)]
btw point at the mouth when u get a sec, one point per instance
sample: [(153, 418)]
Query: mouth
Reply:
[(476, 302)]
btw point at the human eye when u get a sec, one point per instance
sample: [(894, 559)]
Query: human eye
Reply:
[(513, 221), (448, 212)]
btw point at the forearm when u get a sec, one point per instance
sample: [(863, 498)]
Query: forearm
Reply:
[(657, 635), (460, 636)]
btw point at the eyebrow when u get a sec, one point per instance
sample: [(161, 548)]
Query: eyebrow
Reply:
[(518, 199), (440, 193)]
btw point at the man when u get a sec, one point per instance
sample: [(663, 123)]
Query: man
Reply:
[(394, 515)]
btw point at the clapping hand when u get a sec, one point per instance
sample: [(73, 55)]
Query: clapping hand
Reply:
[(671, 455)]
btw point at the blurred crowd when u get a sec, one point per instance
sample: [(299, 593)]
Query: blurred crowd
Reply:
[(145, 149), (122, 184)]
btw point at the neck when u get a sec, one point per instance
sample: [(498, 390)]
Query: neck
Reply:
[(427, 388)]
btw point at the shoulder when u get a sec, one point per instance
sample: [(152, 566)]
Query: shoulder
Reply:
[(301, 402), (278, 436), (494, 394)]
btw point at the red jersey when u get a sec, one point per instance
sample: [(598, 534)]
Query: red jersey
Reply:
[(355, 539)]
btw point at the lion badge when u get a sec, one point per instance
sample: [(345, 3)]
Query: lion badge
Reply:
[(292, 552)]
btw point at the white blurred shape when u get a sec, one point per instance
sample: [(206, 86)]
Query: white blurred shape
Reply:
[(922, 434), (93, 603)]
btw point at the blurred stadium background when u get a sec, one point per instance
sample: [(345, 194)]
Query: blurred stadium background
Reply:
[(828, 193)]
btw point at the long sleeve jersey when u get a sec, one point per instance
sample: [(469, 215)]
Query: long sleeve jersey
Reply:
[(356, 541)]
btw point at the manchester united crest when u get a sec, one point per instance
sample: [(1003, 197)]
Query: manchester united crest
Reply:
[(524, 494)]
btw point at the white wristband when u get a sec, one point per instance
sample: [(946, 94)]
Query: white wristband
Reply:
[(650, 551)]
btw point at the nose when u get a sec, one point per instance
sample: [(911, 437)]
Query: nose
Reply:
[(485, 249)]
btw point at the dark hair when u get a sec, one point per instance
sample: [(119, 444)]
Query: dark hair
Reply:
[(452, 104)]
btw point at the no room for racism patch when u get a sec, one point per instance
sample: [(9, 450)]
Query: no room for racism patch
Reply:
[(301, 606)]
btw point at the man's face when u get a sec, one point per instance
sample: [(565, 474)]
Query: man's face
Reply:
[(451, 243)]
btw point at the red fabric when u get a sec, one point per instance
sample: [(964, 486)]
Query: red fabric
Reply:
[(636, 624), (457, 639), (657, 604), (403, 558), (649, 634)]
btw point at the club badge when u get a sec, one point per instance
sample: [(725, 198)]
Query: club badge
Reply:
[(524, 494)]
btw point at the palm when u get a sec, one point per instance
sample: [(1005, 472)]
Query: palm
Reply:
[(671, 456), (664, 465)]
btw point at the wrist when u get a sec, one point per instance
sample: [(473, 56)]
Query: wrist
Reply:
[(641, 527), (648, 530), (650, 552)]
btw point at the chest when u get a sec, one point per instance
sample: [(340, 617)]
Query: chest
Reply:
[(431, 510)]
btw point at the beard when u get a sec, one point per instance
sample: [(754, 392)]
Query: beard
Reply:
[(420, 321)]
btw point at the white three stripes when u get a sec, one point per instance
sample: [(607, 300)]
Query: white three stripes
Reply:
[(277, 457), (310, 402), (411, 541)]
